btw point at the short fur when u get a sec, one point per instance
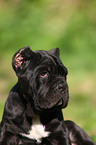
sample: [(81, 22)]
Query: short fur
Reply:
[(33, 110)]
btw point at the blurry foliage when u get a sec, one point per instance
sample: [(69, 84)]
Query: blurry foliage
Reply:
[(46, 24), (70, 25)]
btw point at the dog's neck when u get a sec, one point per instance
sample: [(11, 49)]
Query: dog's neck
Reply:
[(40, 125), (46, 117)]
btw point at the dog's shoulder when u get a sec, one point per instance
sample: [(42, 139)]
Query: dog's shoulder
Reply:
[(14, 104)]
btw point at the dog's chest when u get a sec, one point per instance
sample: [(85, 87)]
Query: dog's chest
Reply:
[(37, 130)]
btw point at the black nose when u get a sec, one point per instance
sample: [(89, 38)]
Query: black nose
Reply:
[(61, 88)]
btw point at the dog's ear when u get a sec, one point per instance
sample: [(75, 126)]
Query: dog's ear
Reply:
[(21, 57), (55, 51)]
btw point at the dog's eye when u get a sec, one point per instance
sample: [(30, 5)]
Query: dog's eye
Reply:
[(44, 74)]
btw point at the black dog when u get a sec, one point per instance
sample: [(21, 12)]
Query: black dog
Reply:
[(32, 114)]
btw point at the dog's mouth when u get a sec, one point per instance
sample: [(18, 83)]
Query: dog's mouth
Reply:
[(59, 103), (56, 106)]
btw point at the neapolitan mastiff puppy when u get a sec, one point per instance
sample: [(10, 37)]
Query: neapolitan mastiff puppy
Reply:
[(33, 110)]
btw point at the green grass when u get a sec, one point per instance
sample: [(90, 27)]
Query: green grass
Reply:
[(1, 109), (81, 111)]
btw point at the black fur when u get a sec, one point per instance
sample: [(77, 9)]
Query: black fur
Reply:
[(41, 91)]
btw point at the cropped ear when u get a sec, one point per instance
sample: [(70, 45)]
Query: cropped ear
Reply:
[(55, 51), (20, 57)]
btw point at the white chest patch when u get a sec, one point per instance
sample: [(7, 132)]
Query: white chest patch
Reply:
[(37, 130)]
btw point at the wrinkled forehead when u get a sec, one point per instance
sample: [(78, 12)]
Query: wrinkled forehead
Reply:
[(47, 59), (42, 60)]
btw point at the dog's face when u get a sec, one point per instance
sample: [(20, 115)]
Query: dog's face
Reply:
[(42, 77)]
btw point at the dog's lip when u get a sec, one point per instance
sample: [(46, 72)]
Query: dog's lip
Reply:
[(60, 102), (58, 105)]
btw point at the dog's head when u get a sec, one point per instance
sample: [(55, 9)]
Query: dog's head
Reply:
[(42, 78)]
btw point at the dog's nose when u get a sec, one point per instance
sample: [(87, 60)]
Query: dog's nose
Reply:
[(61, 88)]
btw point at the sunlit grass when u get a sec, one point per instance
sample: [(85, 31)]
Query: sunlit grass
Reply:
[(1, 109)]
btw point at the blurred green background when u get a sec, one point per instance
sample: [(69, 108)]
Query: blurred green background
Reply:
[(45, 24)]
